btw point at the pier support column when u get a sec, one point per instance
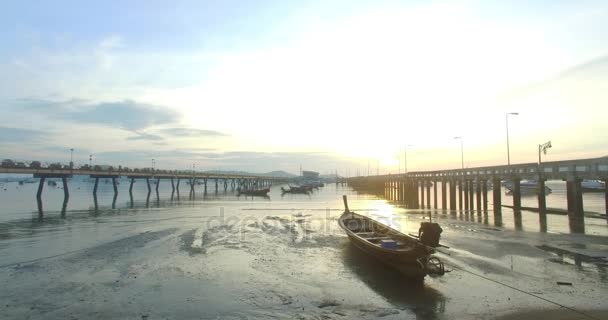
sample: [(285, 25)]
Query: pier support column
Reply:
[(95, 187), (606, 199), (471, 186), (484, 196), (542, 205), (416, 194), (66, 191), (420, 185), (172, 186), (466, 195), (148, 184), (95, 194), (576, 214), (427, 184), (39, 195), (205, 184), (114, 186), (453, 196), (216, 185), (157, 185), (192, 182), (460, 203), (517, 203), (478, 191), (131, 188), (496, 197), (435, 194), (444, 202)]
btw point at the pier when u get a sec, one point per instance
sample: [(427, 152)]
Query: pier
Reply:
[(469, 188), (226, 181)]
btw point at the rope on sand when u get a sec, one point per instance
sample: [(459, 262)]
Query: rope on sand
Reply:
[(524, 292)]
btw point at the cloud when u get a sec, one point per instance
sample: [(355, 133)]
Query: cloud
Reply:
[(127, 114), (145, 136), (190, 132), (18, 135)]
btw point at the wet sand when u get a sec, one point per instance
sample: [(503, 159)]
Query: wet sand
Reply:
[(260, 260)]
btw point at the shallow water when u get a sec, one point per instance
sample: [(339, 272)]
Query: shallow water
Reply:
[(225, 256)]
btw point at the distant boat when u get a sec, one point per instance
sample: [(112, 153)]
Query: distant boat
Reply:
[(593, 186), (410, 256), (297, 189), (526, 187), (255, 192)]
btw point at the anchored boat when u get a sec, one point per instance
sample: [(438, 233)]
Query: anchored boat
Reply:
[(255, 192), (412, 257)]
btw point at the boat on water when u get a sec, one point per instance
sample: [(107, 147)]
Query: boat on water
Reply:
[(297, 189), (411, 256), (526, 187), (255, 192), (593, 186)]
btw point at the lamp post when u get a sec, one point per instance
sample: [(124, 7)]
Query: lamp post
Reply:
[(71, 158), (461, 151), (405, 157), (90, 162), (542, 148), (152, 165), (507, 121)]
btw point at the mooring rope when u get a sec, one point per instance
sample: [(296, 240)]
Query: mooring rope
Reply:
[(524, 292)]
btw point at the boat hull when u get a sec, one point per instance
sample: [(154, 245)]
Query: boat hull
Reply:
[(409, 260), (407, 267)]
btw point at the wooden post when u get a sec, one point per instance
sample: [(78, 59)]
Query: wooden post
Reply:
[(542, 205), (484, 195), (95, 186)]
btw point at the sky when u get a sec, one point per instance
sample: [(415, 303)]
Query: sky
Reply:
[(324, 85)]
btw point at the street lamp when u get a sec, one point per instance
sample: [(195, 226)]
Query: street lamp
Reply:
[(543, 148), (71, 158), (152, 165), (507, 121), (461, 151), (405, 157), (90, 162)]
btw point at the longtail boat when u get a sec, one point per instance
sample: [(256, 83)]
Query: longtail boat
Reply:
[(410, 256), (255, 192)]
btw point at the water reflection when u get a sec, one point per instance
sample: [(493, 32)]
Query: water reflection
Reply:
[(424, 301)]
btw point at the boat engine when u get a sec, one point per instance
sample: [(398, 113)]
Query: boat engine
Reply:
[(429, 233)]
